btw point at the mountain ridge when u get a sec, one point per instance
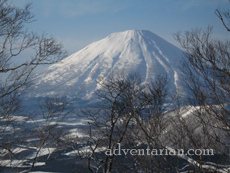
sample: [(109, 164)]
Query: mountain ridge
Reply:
[(133, 51)]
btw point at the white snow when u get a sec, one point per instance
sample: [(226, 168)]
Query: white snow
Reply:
[(134, 51), (84, 151), (19, 163)]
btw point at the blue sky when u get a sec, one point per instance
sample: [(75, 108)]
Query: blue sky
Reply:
[(77, 23)]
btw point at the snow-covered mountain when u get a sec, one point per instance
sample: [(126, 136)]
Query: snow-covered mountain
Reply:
[(133, 51)]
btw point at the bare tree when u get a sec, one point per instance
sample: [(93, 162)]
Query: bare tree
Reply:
[(224, 16), (131, 115), (206, 75), (17, 127), (109, 121), (29, 140), (151, 122)]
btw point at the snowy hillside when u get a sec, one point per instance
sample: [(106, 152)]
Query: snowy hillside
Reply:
[(134, 51)]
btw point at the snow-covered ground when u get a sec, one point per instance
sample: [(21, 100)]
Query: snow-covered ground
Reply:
[(78, 128)]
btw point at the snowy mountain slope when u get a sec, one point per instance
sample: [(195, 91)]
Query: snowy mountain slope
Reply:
[(134, 51)]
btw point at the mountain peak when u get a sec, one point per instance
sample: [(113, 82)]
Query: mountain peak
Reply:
[(132, 51), (128, 34), (135, 31)]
